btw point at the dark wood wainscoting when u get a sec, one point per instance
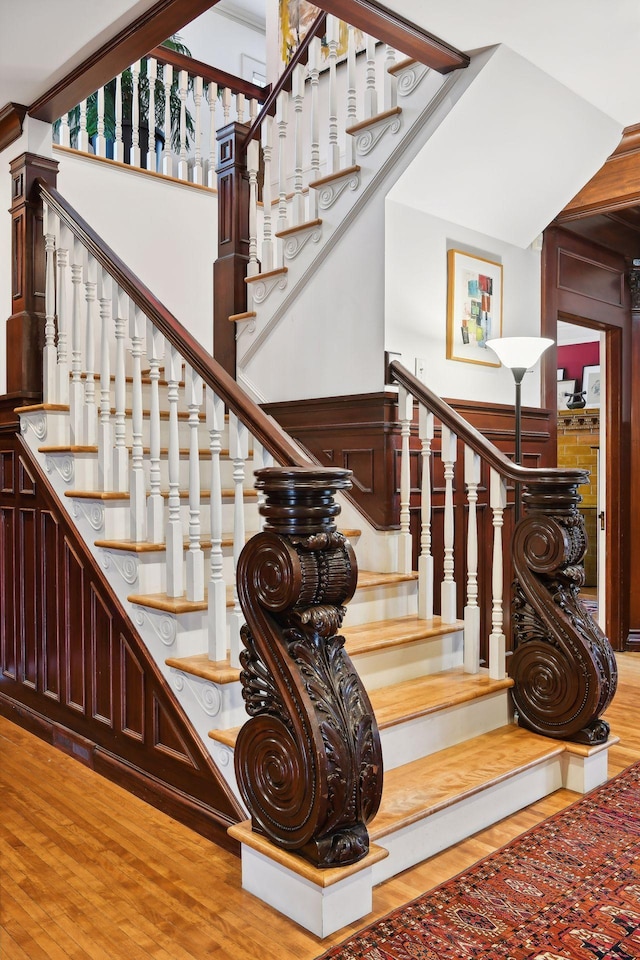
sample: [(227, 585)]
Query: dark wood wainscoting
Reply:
[(73, 669), (362, 433)]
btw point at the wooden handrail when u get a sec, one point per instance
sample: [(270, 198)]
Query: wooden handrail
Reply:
[(474, 439), (264, 429), (211, 74), (284, 83)]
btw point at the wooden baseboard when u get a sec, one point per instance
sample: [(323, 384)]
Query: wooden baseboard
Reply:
[(632, 643)]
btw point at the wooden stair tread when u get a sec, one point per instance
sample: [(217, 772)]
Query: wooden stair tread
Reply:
[(199, 665), (43, 408), (300, 228), (279, 271), (175, 605), (397, 631), (239, 317), (371, 578), (75, 448), (97, 494), (401, 65), (333, 177), (143, 546), (227, 737), (437, 691), (371, 121), (423, 787)]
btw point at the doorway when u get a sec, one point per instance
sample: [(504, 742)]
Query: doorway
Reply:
[(582, 443)]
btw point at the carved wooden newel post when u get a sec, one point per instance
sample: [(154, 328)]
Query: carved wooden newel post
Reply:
[(563, 666), (309, 761)]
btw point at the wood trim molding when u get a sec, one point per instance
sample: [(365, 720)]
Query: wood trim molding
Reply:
[(616, 184), (135, 40), (400, 33), (11, 120)]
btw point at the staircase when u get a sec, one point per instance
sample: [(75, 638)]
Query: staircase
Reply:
[(154, 464)]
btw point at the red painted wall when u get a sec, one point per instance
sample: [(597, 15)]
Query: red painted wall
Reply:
[(573, 357)]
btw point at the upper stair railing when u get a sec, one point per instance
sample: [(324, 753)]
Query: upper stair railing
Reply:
[(562, 665), (308, 761), (162, 115)]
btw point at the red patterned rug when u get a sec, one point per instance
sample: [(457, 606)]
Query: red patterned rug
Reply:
[(569, 889)]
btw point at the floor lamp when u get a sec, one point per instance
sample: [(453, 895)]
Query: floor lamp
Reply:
[(519, 354)]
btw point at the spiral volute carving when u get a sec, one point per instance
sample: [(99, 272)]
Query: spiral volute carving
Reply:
[(308, 761), (563, 666)]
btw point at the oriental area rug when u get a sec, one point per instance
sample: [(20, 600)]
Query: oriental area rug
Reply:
[(569, 889)]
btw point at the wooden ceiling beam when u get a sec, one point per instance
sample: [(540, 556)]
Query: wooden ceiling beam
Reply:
[(11, 119)]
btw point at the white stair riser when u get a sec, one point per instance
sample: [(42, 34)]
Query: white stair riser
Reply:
[(382, 603), (419, 841), (423, 736), (381, 668)]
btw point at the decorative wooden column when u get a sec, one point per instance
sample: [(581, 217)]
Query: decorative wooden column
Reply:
[(309, 760), (563, 666), (230, 269), (25, 326), (633, 636)]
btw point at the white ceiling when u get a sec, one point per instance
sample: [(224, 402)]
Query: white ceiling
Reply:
[(589, 45)]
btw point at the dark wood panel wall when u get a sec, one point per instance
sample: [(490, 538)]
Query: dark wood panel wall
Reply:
[(587, 284), (362, 433), (73, 669)]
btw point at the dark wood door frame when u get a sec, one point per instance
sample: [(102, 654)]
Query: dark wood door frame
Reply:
[(586, 284)]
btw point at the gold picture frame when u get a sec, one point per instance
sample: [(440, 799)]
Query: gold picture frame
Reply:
[(474, 307)]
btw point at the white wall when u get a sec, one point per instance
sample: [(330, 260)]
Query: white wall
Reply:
[(167, 232), (221, 41), (416, 247)]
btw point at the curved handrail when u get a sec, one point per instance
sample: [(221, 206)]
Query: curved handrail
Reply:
[(265, 430), (211, 74), (284, 83), (474, 439)]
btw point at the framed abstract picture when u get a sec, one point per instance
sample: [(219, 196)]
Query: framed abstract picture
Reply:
[(591, 385), (474, 307)]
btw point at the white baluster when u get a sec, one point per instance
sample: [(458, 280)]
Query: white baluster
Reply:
[(105, 440), (370, 92), (83, 136), (282, 109), (89, 409), (101, 141), (50, 385), (226, 104), (197, 147), (313, 67), (167, 155), (155, 501), (390, 80), (253, 161), (425, 562), (352, 113), (120, 467), (137, 485), (267, 228), (76, 390), (62, 257), (174, 536), (152, 75), (240, 107), (254, 109), (134, 156), (118, 143), (238, 451), (217, 612), (195, 556), (333, 39), (472, 610), (297, 97), (183, 166), (448, 603), (65, 135), (405, 545), (497, 643), (212, 99)]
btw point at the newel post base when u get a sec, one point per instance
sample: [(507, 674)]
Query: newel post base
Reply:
[(309, 760), (563, 666)]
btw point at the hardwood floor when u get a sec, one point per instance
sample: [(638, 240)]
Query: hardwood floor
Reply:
[(89, 871)]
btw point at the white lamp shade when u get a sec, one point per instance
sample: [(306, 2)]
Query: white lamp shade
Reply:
[(519, 352)]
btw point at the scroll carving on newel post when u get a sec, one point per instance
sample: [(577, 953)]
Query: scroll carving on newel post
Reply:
[(309, 760), (563, 666)]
